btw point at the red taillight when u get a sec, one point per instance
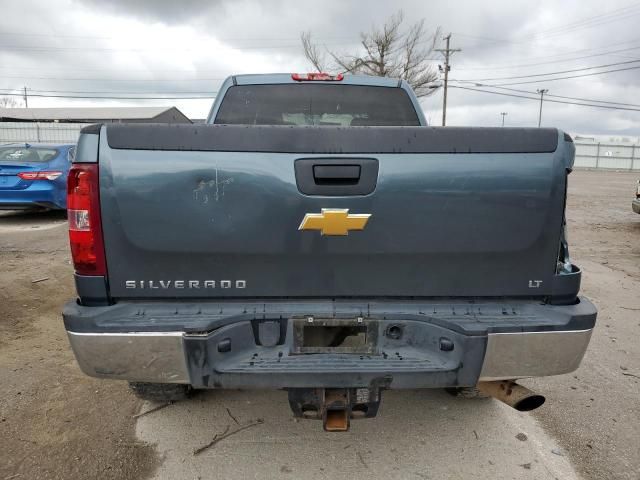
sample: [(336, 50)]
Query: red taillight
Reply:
[(85, 229), (316, 77), (52, 175)]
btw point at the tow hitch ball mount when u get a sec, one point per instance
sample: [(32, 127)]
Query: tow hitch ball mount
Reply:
[(335, 406)]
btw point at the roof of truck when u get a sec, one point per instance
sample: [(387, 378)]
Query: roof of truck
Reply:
[(271, 78)]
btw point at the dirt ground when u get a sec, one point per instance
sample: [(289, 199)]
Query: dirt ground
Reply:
[(57, 423), (595, 412)]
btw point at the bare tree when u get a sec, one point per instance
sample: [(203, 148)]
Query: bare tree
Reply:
[(312, 52), (390, 51), (8, 102)]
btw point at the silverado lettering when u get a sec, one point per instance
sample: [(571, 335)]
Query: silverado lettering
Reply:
[(141, 284)]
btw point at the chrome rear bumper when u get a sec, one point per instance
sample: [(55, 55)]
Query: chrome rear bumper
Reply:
[(137, 357), (533, 354), (161, 357)]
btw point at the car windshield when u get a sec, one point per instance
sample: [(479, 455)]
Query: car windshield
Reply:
[(318, 105), (26, 154)]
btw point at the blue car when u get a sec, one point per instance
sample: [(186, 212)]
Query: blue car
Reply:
[(33, 176)]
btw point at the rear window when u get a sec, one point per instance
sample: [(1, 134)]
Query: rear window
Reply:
[(27, 154), (318, 105)]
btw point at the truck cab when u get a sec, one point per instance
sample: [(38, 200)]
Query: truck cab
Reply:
[(317, 99)]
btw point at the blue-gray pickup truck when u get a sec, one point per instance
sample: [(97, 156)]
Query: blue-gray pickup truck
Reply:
[(315, 235)]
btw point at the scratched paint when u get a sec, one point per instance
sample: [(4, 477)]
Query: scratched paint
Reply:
[(211, 190)]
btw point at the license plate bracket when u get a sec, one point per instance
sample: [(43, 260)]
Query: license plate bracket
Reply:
[(335, 335)]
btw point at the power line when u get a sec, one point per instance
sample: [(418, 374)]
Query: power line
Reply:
[(563, 60), (567, 31), (107, 92), (209, 94), (461, 67), (547, 100), (550, 73), (568, 77), (614, 15), (212, 95), (139, 50), (260, 47), (110, 97), (67, 68), (588, 22), (595, 101), (517, 90), (223, 39), (100, 79), (13, 69), (488, 39), (620, 13)]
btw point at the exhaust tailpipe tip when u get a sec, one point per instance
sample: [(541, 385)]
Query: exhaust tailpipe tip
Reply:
[(512, 394), (530, 403)]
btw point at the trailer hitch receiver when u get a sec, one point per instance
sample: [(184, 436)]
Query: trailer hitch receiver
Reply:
[(335, 406)]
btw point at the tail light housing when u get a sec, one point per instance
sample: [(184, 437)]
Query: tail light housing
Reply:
[(316, 77), (49, 175), (85, 228)]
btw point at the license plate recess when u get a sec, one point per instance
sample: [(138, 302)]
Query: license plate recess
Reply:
[(335, 335)]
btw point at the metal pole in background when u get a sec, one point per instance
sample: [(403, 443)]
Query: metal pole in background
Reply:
[(503, 114), (541, 92), (447, 55), (26, 101)]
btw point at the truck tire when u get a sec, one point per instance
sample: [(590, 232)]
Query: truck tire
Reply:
[(161, 392), (465, 392)]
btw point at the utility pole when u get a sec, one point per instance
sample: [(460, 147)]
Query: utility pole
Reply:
[(503, 114), (26, 102), (541, 91), (447, 52)]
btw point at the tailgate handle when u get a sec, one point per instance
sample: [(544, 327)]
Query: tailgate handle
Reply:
[(336, 174)]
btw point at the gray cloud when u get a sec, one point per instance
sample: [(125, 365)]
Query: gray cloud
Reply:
[(166, 46)]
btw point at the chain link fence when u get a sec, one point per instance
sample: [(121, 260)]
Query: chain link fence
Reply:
[(618, 156), (40, 132)]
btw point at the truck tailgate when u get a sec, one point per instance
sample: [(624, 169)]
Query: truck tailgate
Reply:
[(215, 211)]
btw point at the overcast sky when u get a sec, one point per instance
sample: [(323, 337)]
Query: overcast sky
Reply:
[(187, 47)]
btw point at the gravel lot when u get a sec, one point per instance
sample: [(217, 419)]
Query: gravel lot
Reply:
[(57, 423)]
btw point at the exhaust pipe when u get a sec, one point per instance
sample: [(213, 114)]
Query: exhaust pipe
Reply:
[(513, 394)]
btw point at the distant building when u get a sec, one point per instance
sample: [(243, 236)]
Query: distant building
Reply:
[(609, 139), (619, 152), (95, 115)]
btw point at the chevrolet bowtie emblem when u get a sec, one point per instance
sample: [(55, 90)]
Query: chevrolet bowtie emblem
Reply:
[(334, 221)]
